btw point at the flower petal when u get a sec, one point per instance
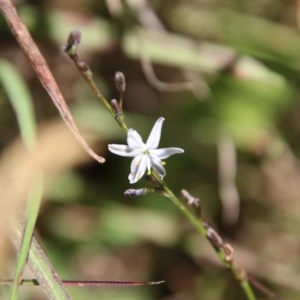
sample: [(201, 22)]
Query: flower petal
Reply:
[(165, 152), (157, 165), (134, 140), (122, 150), (138, 168), (154, 137)]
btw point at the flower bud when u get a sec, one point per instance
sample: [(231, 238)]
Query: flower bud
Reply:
[(192, 201), (214, 237), (135, 192), (115, 104), (120, 82), (229, 251), (73, 42), (74, 37), (85, 68)]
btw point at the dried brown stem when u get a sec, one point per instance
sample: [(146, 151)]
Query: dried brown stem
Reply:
[(42, 71), (88, 283)]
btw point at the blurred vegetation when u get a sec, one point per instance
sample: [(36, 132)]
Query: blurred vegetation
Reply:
[(226, 78)]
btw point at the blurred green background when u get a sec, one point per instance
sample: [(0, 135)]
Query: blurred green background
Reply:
[(225, 75)]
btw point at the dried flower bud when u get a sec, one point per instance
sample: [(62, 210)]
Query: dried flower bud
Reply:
[(85, 68), (240, 273), (190, 199), (120, 82), (214, 237), (115, 104), (229, 251), (136, 192), (74, 37)]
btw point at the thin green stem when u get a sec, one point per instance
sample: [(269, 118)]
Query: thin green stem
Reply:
[(100, 96), (201, 227), (71, 51), (199, 223), (88, 78), (183, 208), (248, 290)]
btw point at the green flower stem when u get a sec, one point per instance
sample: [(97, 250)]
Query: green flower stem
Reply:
[(88, 77), (183, 208), (200, 225), (248, 290), (120, 120)]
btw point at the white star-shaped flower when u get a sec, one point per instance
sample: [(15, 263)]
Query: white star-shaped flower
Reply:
[(146, 156)]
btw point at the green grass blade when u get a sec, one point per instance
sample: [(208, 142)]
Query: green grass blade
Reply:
[(45, 274), (40, 265), (34, 200), (20, 98), (22, 232)]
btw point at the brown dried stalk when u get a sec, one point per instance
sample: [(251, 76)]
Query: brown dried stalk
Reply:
[(42, 71)]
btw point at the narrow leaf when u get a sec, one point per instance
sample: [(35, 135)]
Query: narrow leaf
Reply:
[(40, 265), (20, 98), (34, 200)]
